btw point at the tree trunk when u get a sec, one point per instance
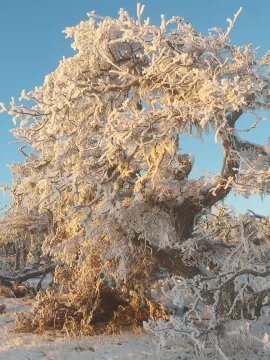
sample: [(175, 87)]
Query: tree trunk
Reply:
[(17, 264), (182, 219)]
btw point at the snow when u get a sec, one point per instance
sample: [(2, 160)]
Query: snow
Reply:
[(50, 346), (15, 345)]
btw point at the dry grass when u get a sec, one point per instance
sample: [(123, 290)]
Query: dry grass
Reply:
[(5, 292), (99, 309)]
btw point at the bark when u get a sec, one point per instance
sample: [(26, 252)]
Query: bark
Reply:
[(251, 308), (230, 142), (248, 308), (230, 166), (18, 255), (250, 304), (170, 260), (173, 262)]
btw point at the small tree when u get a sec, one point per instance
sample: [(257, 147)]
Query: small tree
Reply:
[(106, 159)]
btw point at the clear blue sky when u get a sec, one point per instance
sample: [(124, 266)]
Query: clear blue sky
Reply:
[(32, 44)]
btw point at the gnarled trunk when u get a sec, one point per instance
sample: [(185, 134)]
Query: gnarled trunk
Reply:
[(183, 216)]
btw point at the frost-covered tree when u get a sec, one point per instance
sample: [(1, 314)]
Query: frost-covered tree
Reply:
[(106, 158)]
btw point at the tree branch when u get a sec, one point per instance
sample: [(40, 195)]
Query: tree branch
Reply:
[(21, 278), (256, 215), (230, 143)]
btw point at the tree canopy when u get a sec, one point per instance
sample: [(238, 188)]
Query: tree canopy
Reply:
[(104, 161)]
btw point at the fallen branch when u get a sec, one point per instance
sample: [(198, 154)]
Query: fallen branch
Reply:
[(21, 278)]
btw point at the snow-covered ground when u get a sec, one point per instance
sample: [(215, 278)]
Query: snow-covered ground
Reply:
[(15, 346)]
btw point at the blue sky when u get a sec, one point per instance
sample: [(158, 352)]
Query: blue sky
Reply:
[(32, 44)]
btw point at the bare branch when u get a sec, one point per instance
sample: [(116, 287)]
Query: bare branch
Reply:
[(31, 275)]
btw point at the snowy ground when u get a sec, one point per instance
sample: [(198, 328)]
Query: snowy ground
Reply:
[(15, 346), (19, 346)]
